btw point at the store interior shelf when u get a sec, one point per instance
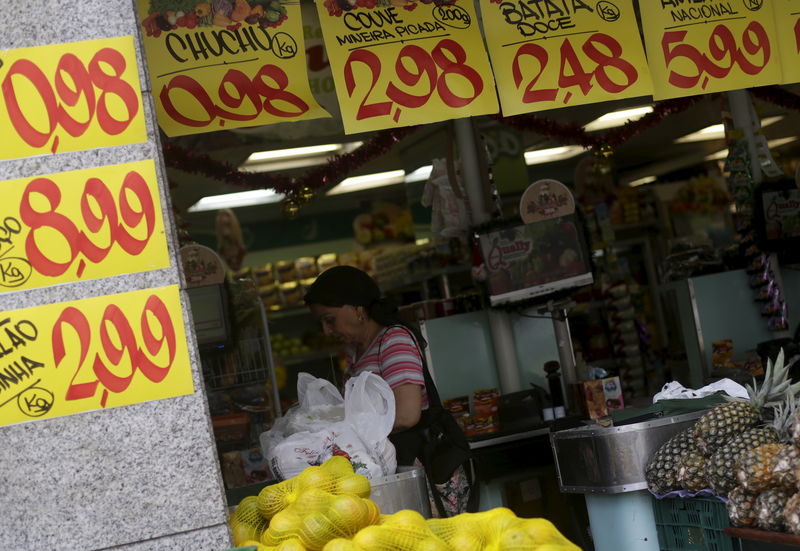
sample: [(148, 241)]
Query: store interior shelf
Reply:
[(310, 356), (419, 277), (288, 313), (789, 540)]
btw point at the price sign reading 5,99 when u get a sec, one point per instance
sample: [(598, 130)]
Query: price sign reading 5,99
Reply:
[(710, 47), (787, 19), (85, 224), (394, 66), (549, 55), (69, 97), (95, 353)]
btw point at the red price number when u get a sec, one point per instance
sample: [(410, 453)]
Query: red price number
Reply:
[(122, 355), (110, 221), (72, 89), (238, 98), (436, 70), (723, 54), (608, 69)]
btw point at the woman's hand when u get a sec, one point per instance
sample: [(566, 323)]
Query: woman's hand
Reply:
[(408, 406)]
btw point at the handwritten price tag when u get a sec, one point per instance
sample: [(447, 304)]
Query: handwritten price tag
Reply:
[(787, 19), (69, 97), (399, 66), (710, 47), (214, 68), (78, 225), (102, 352), (549, 55)]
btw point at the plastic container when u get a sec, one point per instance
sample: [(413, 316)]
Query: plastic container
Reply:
[(692, 524), (407, 489)]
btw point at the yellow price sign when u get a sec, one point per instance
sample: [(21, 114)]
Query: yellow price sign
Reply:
[(218, 65), (70, 97), (90, 354), (710, 47), (406, 62), (787, 19), (558, 54), (84, 224)]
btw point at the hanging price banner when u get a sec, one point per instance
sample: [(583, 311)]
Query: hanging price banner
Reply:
[(787, 19), (226, 64), (556, 54), (90, 354), (696, 48), (85, 224), (398, 66), (70, 97)]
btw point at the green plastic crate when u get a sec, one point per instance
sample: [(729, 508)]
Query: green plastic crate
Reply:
[(694, 524)]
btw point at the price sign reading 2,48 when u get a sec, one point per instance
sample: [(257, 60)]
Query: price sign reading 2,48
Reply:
[(101, 352), (77, 225), (52, 100)]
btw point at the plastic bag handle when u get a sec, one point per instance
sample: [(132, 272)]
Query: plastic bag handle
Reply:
[(313, 392)]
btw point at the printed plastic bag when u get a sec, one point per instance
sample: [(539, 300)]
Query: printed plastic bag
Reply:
[(361, 435)]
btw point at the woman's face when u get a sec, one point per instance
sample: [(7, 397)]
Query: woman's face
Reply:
[(344, 323)]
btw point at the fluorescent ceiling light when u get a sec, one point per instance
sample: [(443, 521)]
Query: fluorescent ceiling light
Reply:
[(296, 157), (772, 144), (717, 131), (238, 199), (618, 118), (420, 175), (642, 181), (540, 156), (368, 181)]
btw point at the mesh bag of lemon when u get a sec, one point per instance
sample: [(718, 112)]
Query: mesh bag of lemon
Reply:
[(325, 508)]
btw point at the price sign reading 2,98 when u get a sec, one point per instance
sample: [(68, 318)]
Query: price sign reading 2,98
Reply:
[(85, 224), (564, 53), (71, 97), (94, 353), (710, 47), (398, 67)]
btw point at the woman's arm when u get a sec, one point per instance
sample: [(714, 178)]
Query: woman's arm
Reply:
[(408, 406)]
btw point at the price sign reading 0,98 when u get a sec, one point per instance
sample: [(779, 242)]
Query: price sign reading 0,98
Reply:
[(85, 224), (95, 353), (71, 97), (398, 67), (564, 53), (710, 47), (215, 67)]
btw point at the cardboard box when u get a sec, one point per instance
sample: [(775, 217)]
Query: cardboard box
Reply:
[(601, 396)]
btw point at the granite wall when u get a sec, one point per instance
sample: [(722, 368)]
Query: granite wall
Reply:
[(138, 477)]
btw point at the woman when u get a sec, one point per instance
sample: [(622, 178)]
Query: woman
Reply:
[(348, 304)]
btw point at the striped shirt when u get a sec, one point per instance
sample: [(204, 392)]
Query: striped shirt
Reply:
[(393, 355)]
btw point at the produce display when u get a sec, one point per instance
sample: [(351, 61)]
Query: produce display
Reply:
[(747, 451), (326, 508)]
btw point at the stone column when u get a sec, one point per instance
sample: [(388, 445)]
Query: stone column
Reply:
[(138, 477)]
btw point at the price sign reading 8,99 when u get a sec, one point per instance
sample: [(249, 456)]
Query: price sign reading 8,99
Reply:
[(69, 98), (394, 66), (85, 224), (95, 353), (710, 47), (564, 53)]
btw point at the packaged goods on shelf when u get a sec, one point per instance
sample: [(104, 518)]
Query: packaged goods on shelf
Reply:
[(352, 258), (325, 261), (285, 271), (265, 275), (391, 266), (291, 293), (270, 296), (305, 267)]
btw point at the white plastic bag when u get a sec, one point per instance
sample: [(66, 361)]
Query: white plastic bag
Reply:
[(675, 390), (361, 434)]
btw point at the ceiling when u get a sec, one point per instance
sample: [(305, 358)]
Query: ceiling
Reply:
[(653, 152)]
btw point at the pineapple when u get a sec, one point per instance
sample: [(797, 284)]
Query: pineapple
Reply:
[(662, 471), (791, 514), (784, 470), (714, 428), (692, 471), (770, 506), (720, 467), (741, 507)]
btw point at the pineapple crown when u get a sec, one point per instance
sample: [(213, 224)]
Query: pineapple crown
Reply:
[(783, 416), (776, 386)]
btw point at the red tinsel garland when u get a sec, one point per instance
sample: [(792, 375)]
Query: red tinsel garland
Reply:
[(340, 166)]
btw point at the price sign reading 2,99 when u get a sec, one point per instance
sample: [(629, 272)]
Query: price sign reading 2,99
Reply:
[(713, 47), (70, 97), (94, 353), (564, 53), (394, 66), (85, 224)]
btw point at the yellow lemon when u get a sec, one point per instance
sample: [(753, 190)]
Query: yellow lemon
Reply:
[(241, 532), (338, 466), (373, 510), (273, 499), (283, 526), (515, 539), (312, 500), (432, 544), (316, 477), (407, 518), (292, 544), (317, 530), (544, 532), (354, 484), (465, 541), (349, 512), (341, 544), (371, 537)]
